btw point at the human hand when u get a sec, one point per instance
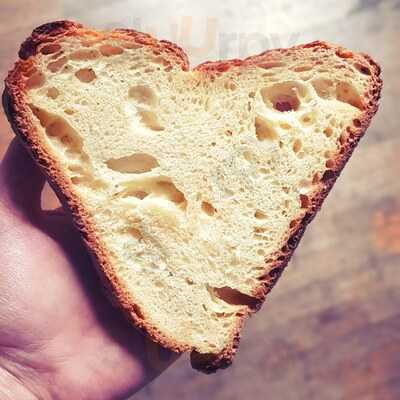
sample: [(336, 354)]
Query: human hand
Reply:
[(59, 336)]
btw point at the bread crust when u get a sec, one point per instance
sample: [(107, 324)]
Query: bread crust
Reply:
[(18, 114)]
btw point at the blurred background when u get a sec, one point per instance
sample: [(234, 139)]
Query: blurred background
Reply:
[(331, 328)]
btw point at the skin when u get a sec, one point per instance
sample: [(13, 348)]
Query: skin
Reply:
[(60, 338)]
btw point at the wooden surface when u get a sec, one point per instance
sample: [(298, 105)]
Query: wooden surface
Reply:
[(331, 328)]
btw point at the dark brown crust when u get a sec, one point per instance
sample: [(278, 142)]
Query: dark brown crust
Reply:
[(46, 33), (158, 45), (19, 115)]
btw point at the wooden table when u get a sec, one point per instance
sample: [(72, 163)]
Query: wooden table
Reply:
[(331, 328)]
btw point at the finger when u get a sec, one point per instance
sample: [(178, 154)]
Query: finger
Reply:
[(22, 181)]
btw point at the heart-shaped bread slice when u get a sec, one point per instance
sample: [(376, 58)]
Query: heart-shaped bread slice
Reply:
[(191, 188)]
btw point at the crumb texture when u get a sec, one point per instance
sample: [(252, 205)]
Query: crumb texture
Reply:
[(194, 180)]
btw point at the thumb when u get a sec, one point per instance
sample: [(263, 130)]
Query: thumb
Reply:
[(21, 181)]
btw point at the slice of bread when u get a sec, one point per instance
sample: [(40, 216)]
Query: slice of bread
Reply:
[(191, 188)]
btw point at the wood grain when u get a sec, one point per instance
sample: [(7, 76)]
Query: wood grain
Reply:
[(331, 328)]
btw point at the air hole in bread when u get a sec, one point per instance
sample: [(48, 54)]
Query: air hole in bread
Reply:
[(131, 45), (135, 232), (303, 68), (143, 95), (330, 164), (285, 249), (249, 106), (284, 96), (53, 93), (234, 297), (161, 61), (76, 180), (86, 75), (260, 214), (316, 178), (264, 130), (87, 180), (285, 125), (66, 140), (108, 50), (297, 145), (159, 284), (56, 56), (57, 65), (259, 229), (362, 68), (230, 86), (75, 168), (208, 208), (343, 53), (347, 93), (138, 190), (248, 156), (68, 111), (135, 66), (324, 87), (343, 138), (271, 64), (328, 132), (304, 201), (308, 118), (264, 171), (150, 119), (170, 191), (286, 103), (286, 204), (161, 187), (328, 154), (138, 163), (36, 81), (50, 49), (84, 55), (140, 194)]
